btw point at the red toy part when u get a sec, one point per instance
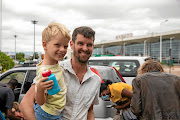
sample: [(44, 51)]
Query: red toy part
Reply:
[(96, 71), (46, 73)]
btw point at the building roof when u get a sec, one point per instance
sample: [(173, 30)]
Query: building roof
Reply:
[(153, 37)]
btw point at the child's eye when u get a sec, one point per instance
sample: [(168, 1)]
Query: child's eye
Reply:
[(57, 45), (65, 47)]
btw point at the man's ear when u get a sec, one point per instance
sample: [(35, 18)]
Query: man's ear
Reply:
[(44, 44)]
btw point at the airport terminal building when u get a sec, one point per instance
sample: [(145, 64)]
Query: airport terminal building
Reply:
[(147, 45)]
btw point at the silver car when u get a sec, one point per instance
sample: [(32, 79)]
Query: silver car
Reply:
[(25, 76)]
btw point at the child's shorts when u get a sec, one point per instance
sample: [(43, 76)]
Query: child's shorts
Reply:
[(40, 114)]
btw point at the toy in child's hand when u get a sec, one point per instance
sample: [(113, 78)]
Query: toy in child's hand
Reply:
[(55, 89)]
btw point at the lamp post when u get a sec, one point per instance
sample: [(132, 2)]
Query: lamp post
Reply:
[(1, 28), (102, 50), (15, 36), (145, 47), (170, 53), (161, 39), (34, 22), (124, 50)]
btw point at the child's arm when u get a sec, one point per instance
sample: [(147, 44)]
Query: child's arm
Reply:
[(41, 87)]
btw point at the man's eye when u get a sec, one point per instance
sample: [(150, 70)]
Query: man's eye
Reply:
[(89, 45)]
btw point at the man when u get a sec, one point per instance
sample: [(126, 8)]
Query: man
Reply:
[(7, 98), (156, 95), (82, 84)]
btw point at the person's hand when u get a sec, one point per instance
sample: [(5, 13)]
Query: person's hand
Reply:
[(118, 107), (45, 85), (19, 114)]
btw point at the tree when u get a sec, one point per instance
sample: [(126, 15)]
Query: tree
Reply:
[(19, 56), (6, 62), (36, 55)]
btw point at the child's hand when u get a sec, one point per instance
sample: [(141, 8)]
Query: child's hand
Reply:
[(45, 85)]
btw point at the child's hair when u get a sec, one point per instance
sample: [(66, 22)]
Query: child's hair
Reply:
[(53, 29), (16, 106), (150, 66)]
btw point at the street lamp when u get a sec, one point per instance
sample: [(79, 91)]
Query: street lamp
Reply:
[(124, 49), (170, 53), (1, 28), (102, 50), (161, 39), (15, 36), (34, 22), (145, 47)]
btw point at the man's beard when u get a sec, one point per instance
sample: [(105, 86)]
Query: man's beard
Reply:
[(79, 59)]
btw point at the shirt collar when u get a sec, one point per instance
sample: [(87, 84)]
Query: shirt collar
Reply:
[(68, 66)]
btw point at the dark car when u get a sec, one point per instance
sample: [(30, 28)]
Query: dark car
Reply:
[(25, 76)]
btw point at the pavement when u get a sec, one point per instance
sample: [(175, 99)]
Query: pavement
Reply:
[(174, 70)]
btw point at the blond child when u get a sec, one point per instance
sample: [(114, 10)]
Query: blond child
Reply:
[(55, 40), (16, 111)]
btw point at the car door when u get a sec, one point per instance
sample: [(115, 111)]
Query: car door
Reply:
[(31, 74)]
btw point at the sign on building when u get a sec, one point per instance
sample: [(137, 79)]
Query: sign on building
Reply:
[(124, 36)]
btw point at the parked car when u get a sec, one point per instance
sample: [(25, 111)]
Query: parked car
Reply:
[(30, 63), (126, 65), (25, 76)]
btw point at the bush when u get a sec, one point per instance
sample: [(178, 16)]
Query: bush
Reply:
[(6, 62)]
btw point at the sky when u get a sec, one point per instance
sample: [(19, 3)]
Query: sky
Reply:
[(108, 18)]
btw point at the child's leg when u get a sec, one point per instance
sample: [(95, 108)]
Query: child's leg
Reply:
[(42, 115)]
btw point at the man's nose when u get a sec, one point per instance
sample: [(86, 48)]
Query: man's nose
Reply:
[(85, 47)]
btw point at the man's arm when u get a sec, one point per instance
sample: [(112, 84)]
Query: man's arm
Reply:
[(177, 86), (26, 105), (90, 115), (136, 102)]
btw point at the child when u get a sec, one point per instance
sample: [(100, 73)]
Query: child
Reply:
[(16, 111), (55, 40)]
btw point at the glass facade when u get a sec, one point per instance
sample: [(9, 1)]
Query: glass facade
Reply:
[(151, 49)]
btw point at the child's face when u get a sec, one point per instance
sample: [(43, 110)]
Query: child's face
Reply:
[(56, 48)]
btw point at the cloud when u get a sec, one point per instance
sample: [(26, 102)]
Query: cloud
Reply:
[(107, 17)]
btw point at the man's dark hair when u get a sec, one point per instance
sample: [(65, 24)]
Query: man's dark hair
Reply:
[(87, 32), (105, 85), (13, 82)]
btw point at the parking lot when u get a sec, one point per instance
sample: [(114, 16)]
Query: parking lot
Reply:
[(174, 70)]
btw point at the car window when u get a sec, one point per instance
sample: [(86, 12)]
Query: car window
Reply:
[(27, 83), (127, 68), (97, 62), (19, 76), (109, 74)]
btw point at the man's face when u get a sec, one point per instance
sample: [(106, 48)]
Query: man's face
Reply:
[(82, 48)]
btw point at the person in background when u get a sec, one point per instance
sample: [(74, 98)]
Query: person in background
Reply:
[(55, 39), (119, 93), (82, 84), (156, 94), (16, 111), (7, 98)]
